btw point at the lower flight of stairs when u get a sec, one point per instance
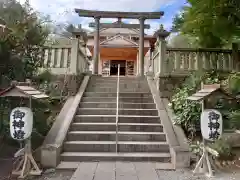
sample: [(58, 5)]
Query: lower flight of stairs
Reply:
[(92, 135)]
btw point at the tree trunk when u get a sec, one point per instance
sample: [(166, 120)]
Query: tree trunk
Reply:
[(235, 56)]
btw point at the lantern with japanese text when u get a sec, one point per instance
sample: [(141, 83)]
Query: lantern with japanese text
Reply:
[(211, 124), (21, 123)]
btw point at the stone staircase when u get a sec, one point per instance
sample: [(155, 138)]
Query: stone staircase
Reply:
[(92, 135)]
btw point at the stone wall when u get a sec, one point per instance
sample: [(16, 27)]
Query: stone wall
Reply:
[(62, 85), (71, 84), (167, 85)]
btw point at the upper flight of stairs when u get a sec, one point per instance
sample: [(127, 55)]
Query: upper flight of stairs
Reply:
[(92, 135)]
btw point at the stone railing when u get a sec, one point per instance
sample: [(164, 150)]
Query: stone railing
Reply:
[(181, 61), (65, 58), (185, 60)]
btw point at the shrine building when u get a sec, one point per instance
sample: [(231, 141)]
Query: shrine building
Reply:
[(120, 46), (118, 43)]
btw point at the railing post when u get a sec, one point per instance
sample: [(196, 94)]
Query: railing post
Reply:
[(117, 104), (162, 45), (74, 56)]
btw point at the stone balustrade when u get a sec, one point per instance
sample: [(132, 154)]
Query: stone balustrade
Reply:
[(69, 57), (182, 61)]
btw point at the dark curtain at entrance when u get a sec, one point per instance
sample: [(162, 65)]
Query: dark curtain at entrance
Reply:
[(114, 67)]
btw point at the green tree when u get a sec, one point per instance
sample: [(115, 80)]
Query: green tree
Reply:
[(182, 41), (21, 46), (213, 22)]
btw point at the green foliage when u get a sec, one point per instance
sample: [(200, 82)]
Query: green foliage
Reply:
[(234, 83), (196, 148), (234, 118), (188, 112), (183, 41), (206, 20), (223, 147), (19, 47), (44, 76)]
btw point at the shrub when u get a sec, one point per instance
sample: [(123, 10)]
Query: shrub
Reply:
[(223, 147), (234, 83), (188, 112), (234, 118), (44, 76)]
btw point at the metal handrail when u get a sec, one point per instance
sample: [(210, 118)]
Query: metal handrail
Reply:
[(117, 103)]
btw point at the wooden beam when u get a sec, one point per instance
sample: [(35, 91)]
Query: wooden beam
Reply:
[(119, 25), (118, 46), (125, 15)]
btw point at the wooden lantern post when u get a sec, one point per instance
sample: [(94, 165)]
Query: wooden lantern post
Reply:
[(210, 120), (27, 165)]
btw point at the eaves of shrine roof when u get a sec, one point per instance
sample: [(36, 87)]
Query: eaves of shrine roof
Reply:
[(119, 40), (22, 91)]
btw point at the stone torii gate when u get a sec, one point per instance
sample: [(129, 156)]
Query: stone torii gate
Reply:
[(97, 15)]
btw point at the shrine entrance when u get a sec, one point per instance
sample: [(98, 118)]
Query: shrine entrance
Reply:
[(114, 67)]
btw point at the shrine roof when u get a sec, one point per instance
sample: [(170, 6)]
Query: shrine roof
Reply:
[(112, 31), (22, 91), (206, 91)]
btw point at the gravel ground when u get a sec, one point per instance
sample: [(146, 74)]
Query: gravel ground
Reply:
[(188, 175), (58, 175)]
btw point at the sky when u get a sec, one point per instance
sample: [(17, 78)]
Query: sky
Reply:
[(62, 11)]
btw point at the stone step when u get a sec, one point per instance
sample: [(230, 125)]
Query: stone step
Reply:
[(114, 99), (108, 111), (114, 89), (72, 166), (121, 105), (125, 95), (121, 85), (121, 118), (110, 146), (144, 127), (106, 156), (121, 78), (111, 136), (115, 82)]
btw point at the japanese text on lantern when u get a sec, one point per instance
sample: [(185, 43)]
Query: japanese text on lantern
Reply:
[(213, 125), (18, 124)]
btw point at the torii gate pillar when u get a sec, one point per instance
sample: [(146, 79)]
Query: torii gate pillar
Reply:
[(141, 47), (96, 46)]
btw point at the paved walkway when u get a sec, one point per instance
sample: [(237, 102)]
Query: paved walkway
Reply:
[(128, 171), (115, 171), (137, 171)]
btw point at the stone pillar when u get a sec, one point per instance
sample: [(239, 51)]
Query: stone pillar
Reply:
[(96, 46), (74, 57), (151, 59), (141, 47), (136, 65), (162, 45)]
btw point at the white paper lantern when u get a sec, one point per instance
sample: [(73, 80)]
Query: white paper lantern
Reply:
[(21, 123), (211, 124)]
